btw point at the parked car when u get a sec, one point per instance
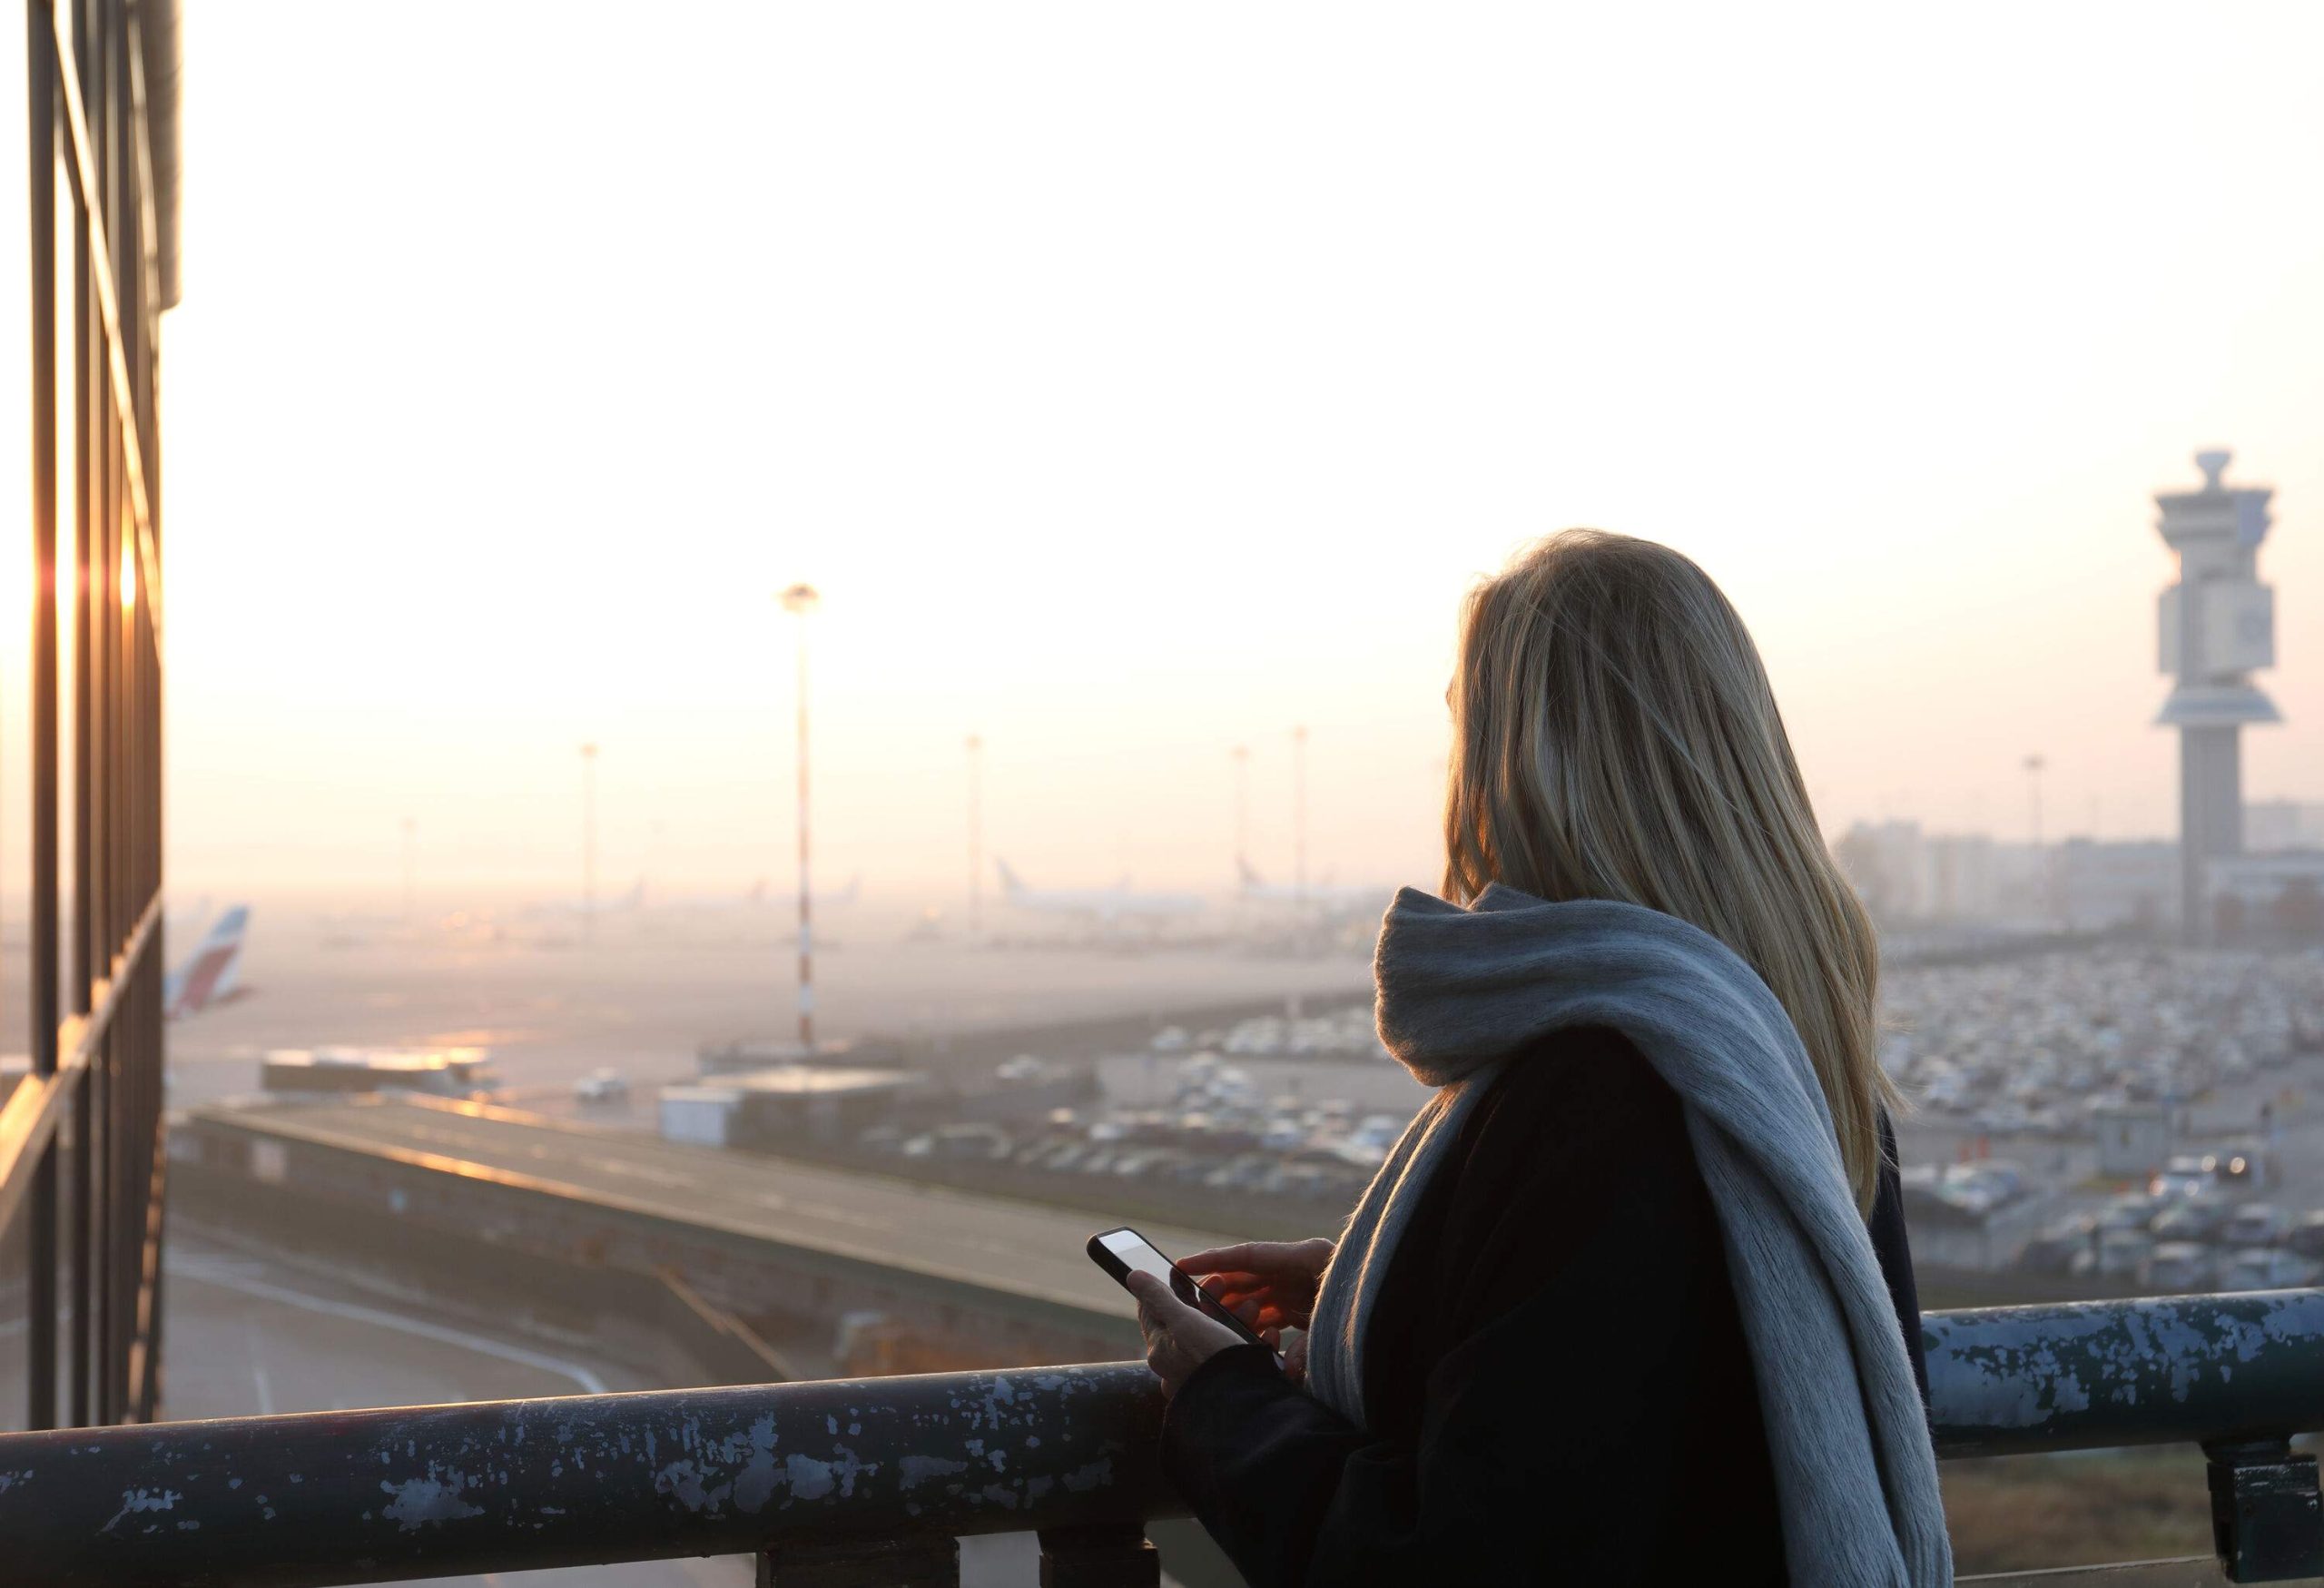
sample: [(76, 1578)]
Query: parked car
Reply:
[(2054, 1250), (2126, 1213), (2255, 1224), (2198, 1217), (2186, 1175), (2177, 1265), (2262, 1268), (2306, 1236), (2246, 1168), (601, 1086), (2121, 1252)]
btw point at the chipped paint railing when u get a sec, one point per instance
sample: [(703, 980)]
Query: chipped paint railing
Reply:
[(2238, 1374), (790, 1470), (873, 1480), (2088, 1375)]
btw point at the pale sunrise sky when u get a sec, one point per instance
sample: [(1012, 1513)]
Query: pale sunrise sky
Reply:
[(1135, 383)]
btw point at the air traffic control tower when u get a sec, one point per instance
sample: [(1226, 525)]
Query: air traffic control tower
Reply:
[(2218, 624)]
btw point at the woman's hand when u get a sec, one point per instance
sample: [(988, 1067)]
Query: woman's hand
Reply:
[(1179, 1338), (1270, 1285)]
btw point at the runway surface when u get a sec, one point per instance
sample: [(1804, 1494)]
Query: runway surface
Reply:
[(984, 1243), (644, 1003)]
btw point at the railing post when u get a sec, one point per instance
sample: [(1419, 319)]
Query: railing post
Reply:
[(1099, 1557), (2266, 1523), (886, 1563)]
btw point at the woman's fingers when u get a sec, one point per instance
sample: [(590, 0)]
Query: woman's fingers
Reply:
[(1271, 1259), (1275, 1304), (1178, 1338), (1225, 1259)]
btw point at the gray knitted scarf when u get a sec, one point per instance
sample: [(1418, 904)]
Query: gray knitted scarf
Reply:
[(1461, 992)]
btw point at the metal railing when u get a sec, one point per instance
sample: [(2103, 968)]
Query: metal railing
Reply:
[(80, 1158), (873, 1480)]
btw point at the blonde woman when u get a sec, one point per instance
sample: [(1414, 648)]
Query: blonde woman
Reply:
[(1631, 1300)]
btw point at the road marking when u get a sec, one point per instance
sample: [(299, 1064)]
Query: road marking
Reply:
[(225, 1277), (258, 1373)]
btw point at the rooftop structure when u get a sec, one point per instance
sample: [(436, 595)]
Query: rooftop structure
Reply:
[(449, 1072), (818, 1080)]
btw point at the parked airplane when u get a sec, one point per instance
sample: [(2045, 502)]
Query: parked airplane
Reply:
[(618, 905), (210, 975), (1104, 905), (762, 895), (1330, 898)]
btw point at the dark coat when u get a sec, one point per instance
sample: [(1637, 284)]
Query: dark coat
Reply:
[(1556, 1371)]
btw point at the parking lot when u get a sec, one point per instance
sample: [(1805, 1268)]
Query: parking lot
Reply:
[(2013, 1065)]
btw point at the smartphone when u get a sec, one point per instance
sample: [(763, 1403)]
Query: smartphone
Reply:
[(1122, 1251)]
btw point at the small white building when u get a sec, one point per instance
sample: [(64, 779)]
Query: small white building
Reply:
[(703, 1115)]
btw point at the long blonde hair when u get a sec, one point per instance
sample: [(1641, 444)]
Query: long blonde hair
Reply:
[(1615, 737)]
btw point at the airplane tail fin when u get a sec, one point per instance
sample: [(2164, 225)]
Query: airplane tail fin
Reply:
[(1011, 885), (209, 976), (1248, 874)]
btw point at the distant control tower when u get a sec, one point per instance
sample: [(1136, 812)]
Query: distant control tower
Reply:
[(2218, 624)]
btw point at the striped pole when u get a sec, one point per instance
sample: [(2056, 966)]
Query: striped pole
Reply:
[(588, 842), (799, 600), (1242, 757), (1299, 813)]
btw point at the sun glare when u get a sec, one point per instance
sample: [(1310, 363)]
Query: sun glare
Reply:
[(128, 582)]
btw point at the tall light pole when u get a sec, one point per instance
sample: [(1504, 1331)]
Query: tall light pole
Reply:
[(2033, 764), (410, 830), (799, 601), (1242, 758), (1299, 813), (975, 746), (589, 841)]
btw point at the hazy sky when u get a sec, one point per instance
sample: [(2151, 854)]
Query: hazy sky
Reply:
[(1136, 383)]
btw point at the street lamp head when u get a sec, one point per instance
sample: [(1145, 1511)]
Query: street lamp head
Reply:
[(588, 752), (801, 599)]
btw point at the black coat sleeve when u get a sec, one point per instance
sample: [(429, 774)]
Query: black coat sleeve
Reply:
[(1565, 1301)]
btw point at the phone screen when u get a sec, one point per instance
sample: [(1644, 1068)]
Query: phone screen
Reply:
[(1121, 1252)]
